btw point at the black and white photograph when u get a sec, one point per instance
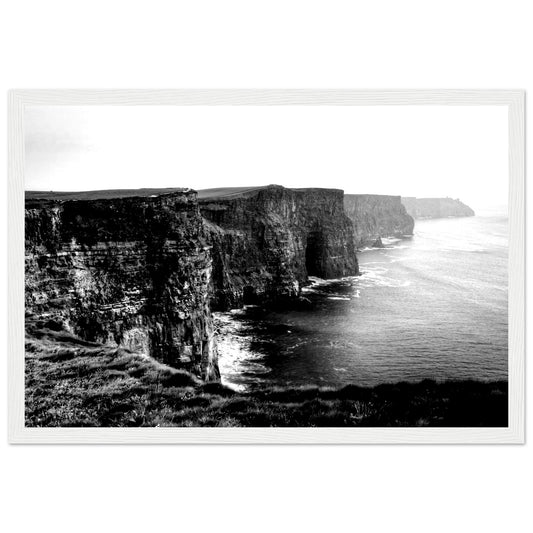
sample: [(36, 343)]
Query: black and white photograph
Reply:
[(266, 266)]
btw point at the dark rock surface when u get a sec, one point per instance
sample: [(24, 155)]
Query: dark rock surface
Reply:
[(268, 240), (376, 216), (436, 207), (140, 269), (130, 270)]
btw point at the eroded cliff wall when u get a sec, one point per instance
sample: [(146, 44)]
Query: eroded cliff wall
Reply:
[(133, 271), (376, 216), (141, 269), (436, 207), (267, 241)]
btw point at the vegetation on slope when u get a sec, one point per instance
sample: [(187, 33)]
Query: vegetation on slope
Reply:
[(71, 382)]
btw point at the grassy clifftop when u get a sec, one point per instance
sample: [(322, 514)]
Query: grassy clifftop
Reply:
[(71, 382), (99, 194)]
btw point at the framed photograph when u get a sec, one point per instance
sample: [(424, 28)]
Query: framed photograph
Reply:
[(266, 266)]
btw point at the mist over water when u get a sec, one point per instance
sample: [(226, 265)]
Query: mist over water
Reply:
[(431, 306)]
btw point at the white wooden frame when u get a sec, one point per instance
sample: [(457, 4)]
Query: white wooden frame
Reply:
[(513, 99)]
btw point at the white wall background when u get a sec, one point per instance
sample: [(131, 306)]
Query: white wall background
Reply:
[(352, 44)]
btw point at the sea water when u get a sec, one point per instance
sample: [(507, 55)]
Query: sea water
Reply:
[(430, 306)]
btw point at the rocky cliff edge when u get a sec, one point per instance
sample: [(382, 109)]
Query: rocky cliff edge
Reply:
[(267, 241)]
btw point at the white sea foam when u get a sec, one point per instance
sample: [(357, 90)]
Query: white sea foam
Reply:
[(389, 240), (316, 283), (395, 247), (236, 358), (376, 277)]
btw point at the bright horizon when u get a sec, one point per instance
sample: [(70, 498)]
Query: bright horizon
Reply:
[(423, 151)]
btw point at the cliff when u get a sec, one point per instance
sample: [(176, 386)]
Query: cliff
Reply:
[(375, 216), (266, 241), (140, 269), (436, 207), (131, 269)]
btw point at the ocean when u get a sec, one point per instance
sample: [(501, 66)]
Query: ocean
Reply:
[(430, 306)]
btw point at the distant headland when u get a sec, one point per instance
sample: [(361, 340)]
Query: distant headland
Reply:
[(436, 207)]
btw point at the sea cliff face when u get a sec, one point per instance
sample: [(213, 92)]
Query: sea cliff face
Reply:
[(436, 207), (376, 216), (134, 272), (267, 241), (142, 269)]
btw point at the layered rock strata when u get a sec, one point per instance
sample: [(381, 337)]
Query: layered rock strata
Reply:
[(376, 216), (132, 271), (267, 241), (142, 269)]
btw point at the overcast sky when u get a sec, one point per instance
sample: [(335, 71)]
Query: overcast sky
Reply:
[(457, 151)]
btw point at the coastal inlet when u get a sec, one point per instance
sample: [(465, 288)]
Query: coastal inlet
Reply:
[(431, 306)]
